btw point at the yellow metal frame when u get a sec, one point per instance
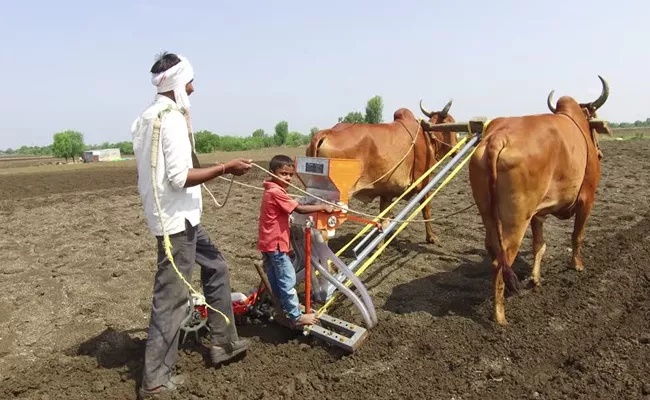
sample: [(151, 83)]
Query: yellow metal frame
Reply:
[(365, 229), (376, 254)]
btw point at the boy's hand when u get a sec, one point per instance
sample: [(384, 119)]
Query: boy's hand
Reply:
[(328, 209), (239, 166)]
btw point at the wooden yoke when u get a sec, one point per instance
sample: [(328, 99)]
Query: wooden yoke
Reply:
[(475, 125)]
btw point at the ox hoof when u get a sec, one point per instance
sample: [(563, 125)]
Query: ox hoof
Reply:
[(432, 239), (577, 265), (531, 284)]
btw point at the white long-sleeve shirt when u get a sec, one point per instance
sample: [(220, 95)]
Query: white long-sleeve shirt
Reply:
[(174, 161)]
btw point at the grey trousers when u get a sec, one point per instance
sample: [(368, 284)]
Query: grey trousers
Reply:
[(171, 296)]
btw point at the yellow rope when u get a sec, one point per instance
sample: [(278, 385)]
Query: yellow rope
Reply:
[(166, 241)]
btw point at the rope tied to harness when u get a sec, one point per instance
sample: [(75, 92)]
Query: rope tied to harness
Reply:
[(413, 185), (413, 140)]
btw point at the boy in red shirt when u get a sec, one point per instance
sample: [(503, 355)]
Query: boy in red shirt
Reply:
[(273, 237)]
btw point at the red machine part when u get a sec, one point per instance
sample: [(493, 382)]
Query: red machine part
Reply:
[(307, 270), (203, 310), (241, 308)]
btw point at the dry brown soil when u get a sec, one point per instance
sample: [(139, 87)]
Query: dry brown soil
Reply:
[(78, 263)]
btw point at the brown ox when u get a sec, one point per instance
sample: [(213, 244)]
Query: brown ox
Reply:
[(528, 167), (380, 147)]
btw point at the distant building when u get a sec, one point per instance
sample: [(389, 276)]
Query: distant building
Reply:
[(101, 155)]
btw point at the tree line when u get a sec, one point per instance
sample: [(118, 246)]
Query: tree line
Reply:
[(635, 124), (70, 143), (207, 142)]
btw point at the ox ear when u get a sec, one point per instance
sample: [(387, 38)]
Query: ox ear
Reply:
[(600, 126)]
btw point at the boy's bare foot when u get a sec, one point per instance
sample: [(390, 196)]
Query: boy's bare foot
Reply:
[(306, 319)]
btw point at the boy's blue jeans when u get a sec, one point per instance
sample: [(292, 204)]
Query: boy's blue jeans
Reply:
[(282, 278)]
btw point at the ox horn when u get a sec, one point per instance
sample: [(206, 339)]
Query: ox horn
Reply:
[(603, 95), (445, 110), (425, 111), (549, 101)]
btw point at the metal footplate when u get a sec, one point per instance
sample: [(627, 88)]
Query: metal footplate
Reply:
[(338, 332)]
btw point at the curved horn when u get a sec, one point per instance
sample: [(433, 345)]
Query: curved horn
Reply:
[(425, 111), (549, 102), (445, 110), (603, 95)]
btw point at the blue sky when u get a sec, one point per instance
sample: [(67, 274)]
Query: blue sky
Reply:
[(84, 65)]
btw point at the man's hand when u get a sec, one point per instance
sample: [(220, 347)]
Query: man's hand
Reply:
[(328, 209), (197, 176), (239, 166)]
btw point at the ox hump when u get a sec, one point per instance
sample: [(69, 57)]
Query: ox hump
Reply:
[(403, 114)]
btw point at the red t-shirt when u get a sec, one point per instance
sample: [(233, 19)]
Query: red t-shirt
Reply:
[(273, 231)]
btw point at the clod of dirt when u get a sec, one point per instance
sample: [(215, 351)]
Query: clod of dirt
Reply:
[(301, 379), (289, 389), (98, 386), (645, 390)]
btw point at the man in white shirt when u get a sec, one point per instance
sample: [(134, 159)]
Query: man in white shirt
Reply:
[(178, 185)]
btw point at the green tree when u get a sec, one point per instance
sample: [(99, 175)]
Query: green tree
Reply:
[(125, 147), (206, 142), (313, 131), (259, 133), (353, 117), (374, 110), (295, 139), (61, 146), (281, 132), (68, 144)]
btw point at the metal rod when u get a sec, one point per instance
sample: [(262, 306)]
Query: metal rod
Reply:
[(307, 270), (379, 238), (355, 250)]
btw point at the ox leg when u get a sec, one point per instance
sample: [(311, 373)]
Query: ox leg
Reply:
[(505, 279), (499, 287), (384, 202), (539, 247), (426, 214), (583, 210)]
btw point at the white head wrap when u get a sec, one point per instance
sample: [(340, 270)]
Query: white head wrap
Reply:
[(175, 79)]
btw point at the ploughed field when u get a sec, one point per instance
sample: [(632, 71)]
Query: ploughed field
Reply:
[(77, 270)]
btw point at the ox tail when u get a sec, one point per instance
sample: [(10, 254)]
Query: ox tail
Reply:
[(315, 143), (492, 156)]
